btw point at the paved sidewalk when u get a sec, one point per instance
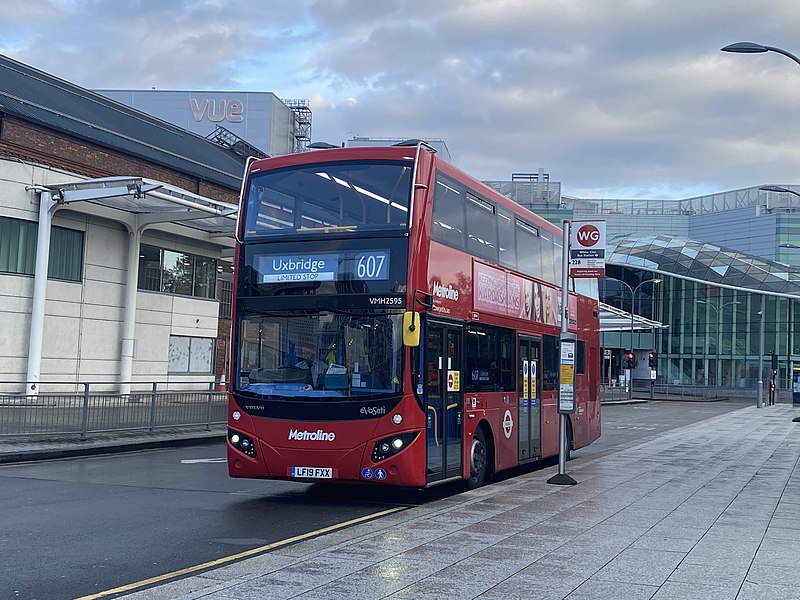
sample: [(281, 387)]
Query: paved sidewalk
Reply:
[(32, 447), (708, 511)]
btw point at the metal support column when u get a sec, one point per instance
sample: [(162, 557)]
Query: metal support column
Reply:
[(129, 310), (761, 315), (46, 210)]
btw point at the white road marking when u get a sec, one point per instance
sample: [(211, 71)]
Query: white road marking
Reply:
[(194, 461)]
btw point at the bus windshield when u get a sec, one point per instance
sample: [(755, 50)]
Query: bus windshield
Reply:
[(325, 354), (345, 196)]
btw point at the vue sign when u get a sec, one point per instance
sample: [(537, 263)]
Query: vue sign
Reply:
[(231, 111)]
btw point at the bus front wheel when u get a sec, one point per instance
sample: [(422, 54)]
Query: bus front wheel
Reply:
[(477, 460)]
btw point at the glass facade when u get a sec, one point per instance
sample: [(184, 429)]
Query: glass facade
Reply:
[(712, 313), (708, 295), (713, 334)]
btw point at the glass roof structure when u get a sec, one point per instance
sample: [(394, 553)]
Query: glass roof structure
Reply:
[(703, 263), (616, 319)]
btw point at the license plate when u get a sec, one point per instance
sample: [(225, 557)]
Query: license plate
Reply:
[(313, 472)]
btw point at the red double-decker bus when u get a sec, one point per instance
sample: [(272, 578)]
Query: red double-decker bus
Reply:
[(397, 322)]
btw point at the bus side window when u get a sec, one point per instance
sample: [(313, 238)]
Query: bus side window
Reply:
[(550, 362), (448, 213), (490, 359)]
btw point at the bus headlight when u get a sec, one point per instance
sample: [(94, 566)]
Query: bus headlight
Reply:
[(392, 445), (242, 443)]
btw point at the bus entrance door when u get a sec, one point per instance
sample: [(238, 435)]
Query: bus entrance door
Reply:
[(444, 401), (529, 402)]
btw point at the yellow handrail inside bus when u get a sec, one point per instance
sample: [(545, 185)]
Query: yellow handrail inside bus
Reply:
[(435, 428)]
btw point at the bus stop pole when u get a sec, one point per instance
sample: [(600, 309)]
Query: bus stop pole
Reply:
[(561, 478)]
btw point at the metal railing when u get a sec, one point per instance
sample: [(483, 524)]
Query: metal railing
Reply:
[(79, 410), (684, 391)]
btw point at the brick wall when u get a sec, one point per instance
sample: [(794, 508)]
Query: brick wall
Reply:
[(31, 142)]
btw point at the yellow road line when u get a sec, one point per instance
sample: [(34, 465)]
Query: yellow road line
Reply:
[(234, 557)]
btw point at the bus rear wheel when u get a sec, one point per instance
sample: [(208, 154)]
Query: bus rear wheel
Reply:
[(478, 460)]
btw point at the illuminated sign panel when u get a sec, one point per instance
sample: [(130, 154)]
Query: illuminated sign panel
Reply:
[(362, 266)]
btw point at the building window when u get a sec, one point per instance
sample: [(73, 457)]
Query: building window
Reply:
[(18, 250), (173, 272), (66, 254), (190, 355), (225, 299)]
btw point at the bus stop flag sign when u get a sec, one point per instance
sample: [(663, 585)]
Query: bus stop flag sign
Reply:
[(587, 254)]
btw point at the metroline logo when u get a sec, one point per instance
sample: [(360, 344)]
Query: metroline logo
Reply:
[(313, 436), (449, 293), (588, 235)]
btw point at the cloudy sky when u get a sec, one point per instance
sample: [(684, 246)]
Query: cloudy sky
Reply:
[(613, 98)]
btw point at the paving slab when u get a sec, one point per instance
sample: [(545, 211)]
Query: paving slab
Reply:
[(708, 511)]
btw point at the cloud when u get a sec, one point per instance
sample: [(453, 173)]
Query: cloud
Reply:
[(608, 97)]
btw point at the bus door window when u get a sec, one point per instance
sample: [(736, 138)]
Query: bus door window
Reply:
[(529, 403), (444, 401), (454, 409), (434, 360)]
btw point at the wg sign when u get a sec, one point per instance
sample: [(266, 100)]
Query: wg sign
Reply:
[(587, 254)]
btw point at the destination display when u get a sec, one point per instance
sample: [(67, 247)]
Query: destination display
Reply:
[(371, 265)]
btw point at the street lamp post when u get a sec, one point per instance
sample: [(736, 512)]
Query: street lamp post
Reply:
[(753, 48), (633, 290), (760, 391), (778, 188), (718, 312)]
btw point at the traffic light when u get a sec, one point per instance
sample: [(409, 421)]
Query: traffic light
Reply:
[(652, 359), (630, 360), (774, 359)]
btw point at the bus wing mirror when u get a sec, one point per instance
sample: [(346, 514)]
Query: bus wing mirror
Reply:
[(411, 328)]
